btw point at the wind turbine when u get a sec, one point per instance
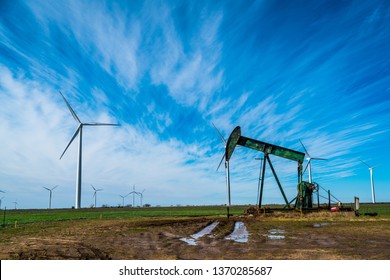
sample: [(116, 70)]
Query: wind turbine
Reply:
[(1, 198), (123, 199), (133, 193), (16, 203), (141, 194), (309, 159), (371, 180), (94, 194), (79, 131), (226, 170), (50, 190)]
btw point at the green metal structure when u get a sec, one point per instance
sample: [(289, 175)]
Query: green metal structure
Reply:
[(303, 200)]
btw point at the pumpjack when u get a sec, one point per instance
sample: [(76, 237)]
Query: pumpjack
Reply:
[(304, 197)]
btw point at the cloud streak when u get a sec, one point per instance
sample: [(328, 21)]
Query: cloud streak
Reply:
[(166, 70)]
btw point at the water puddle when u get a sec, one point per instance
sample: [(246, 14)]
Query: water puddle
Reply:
[(276, 237), (320, 225), (189, 241), (207, 230), (276, 231), (276, 234), (239, 234)]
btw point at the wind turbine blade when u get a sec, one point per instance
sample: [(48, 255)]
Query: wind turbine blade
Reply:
[(304, 148), (365, 163), (93, 188), (96, 124), (46, 188), (71, 140), (219, 133), (70, 109), (98, 190), (314, 158), (306, 166), (54, 187), (221, 161)]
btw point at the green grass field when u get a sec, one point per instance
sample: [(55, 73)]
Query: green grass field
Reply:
[(46, 215), (9, 217)]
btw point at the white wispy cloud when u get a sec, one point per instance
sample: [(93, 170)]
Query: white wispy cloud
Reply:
[(150, 65), (36, 127)]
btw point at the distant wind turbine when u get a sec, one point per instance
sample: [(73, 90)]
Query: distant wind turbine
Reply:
[(141, 194), (309, 159), (50, 190), (123, 199), (94, 194), (16, 203), (133, 193), (228, 202), (371, 180), (79, 131), (1, 200)]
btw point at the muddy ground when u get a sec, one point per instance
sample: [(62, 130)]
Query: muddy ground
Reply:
[(160, 239)]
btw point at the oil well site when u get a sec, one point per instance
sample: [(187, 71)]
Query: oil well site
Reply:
[(195, 130), (299, 229)]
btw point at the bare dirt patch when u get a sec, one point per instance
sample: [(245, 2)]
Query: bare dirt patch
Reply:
[(160, 239)]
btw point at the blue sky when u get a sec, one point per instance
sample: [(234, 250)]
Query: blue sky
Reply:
[(315, 71)]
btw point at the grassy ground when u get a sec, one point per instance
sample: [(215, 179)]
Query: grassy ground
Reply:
[(9, 217), (155, 233), (46, 215)]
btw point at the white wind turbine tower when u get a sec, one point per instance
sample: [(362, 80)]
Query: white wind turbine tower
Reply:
[(133, 193), (50, 190), (1, 198), (309, 159), (371, 180), (228, 202), (141, 194), (123, 199), (79, 131), (94, 194)]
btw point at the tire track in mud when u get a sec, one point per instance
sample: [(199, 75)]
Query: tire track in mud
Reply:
[(160, 239), (238, 234), (48, 248)]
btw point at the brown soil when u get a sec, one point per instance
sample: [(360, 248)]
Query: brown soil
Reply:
[(160, 239)]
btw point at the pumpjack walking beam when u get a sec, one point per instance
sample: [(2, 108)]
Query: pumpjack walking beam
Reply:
[(236, 138)]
